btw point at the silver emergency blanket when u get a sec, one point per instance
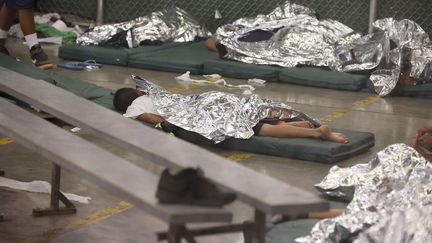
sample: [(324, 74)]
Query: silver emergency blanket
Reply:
[(168, 25), (411, 226), (216, 115), (397, 179), (300, 38)]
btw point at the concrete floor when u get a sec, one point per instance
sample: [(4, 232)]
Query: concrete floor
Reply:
[(109, 219)]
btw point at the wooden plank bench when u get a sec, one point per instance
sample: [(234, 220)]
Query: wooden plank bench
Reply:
[(69, 151), (267, 195)]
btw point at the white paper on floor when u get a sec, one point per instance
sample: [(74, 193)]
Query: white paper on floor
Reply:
[(215, 79), (257, 81), (38, 186)]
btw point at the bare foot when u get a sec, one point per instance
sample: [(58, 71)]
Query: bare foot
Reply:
[(305, 124), (326, 133)]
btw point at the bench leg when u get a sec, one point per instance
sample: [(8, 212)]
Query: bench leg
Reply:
[(56, 197), (1, 215), (174, 234), (177, 232), (260, 227)]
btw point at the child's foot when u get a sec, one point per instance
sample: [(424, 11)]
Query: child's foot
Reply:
[(38, 56), (326, 133)]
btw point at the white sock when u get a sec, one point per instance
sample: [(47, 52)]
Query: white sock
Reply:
[(3, 34), (31, 40)]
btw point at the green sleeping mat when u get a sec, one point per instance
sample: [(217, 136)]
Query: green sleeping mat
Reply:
[(233, 69), (105, 55), (317, 77), (194, 57), (297, 148), (287, 232), (176, 57)]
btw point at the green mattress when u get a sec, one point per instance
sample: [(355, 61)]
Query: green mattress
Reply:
[(105, 55), (242, 70), (176, 57), (317, 77), (298, 148), (194, 57)]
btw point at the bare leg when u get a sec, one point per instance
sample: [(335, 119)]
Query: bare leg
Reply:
[(287, 131), (7, 17), (26, 19), (305, 124)]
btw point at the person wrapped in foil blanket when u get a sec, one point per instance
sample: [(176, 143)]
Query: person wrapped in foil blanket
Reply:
[(218, 115), (168, 25), (390, 197), (292, 35)]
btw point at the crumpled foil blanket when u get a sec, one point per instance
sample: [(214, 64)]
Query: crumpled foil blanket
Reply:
[(299, 38), (216, 115), (413, 225), (168, 25), (398, 179)]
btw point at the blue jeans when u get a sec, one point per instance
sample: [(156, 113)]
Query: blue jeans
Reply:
[(19, 4)]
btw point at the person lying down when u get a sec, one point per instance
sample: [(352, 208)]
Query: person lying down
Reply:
[(139, 105)]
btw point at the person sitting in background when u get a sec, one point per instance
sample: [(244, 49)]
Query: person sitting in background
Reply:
[(423, 142), (136, 104), (9, 9)]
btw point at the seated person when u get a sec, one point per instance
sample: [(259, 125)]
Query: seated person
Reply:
[(136, 104), (423, 142)]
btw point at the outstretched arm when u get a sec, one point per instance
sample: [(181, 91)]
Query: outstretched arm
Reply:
[(150, 118), (156, 119)]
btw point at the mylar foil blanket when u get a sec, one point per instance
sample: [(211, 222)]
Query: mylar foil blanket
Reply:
[(413, 226), (299, 38), (216, 115), (397, 179), (168, 25)]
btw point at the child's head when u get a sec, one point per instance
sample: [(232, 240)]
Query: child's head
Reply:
[(124, 97)]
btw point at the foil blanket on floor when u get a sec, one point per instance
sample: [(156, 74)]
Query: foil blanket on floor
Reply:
[(216, 115), (295, 36), (387, 196), (168, 25)]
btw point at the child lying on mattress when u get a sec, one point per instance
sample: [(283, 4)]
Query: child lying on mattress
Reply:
[(136, 104)]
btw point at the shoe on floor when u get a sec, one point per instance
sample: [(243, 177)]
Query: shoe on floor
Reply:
[(38, 56), (189, 186), (3, 47)]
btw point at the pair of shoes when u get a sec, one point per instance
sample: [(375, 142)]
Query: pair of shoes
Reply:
[(38, 56), (190, 187), (3, 47)]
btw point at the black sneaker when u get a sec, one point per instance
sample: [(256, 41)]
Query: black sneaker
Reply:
[(38, 56), (3, 47), (190, 187)]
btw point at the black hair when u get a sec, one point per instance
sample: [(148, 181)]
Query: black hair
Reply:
[(124, 97)]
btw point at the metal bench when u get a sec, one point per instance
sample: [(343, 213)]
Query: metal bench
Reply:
[(69, 151), (267, 195)]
